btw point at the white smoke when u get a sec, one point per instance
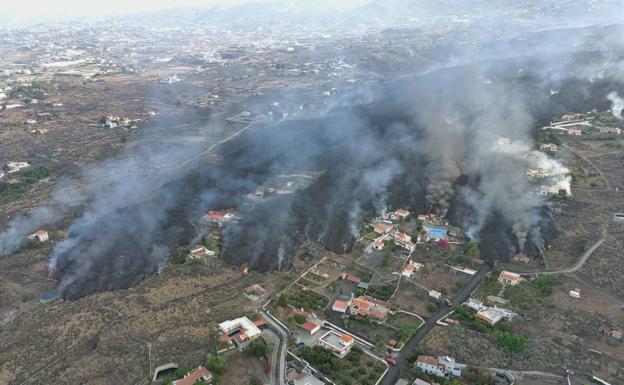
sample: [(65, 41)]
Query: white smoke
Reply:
[(617, 105)]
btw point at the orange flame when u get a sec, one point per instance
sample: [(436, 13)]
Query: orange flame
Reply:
[(245, 269)]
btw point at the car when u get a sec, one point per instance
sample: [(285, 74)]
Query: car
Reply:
[(391, 361), (300, 345)]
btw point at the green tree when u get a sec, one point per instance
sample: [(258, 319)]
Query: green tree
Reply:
[(473, 250), (299, 318), (257, 348), (512, 343), (282, 300), (216, 364), (254, 381)]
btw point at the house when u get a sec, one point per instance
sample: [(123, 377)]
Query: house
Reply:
[(475, 304), (402, 213), (198, 374), (491, 315), (548, 147), (378, 245), (214, 216), (339, 344), (351, 278), (435, 294), (508, 278), (340, 306), (200, 252), (549, 190), (308, 379), (429, 365), (575, 131), (12, 167), (537, 173), (521, 257), (410, 268), (403, 239), (368, 307), (255, 290), (610, 130), (109, 121), (310, 327), (443, 366), (576, 293), (240, 331), (40, 235), (611, 332), (382, 228), (502, 141)]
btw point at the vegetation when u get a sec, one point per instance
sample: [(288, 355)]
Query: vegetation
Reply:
[(303, 299), (527, 294), (299, 319), (254, 381), (472, 249), (382, 293), (216, 364), (257, 348), (9, 192), (510, 342), (548, 136), (355, 368)]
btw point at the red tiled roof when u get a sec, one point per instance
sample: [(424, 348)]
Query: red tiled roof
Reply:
[(215, 215), (309, 326), (427, 360), (509, 275), (340, 304), (194, 376), (346, 338), (379, 314)]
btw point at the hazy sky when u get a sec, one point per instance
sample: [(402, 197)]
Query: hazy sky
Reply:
[(17, 11)]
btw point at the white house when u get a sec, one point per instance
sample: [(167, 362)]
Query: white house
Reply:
[(442, 366), (339, 344), (40, 235)]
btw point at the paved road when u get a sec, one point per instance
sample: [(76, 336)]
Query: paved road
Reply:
[(278, 366), (393, 374)]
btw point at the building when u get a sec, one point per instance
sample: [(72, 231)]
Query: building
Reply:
[(12, 167), (475, 304), (509, 278), (351, 278), (491, 315), (378, 245), (410, 268), (611, 332), (310, 327), (403, 239), (443, 366), (40, 235), (200, 252), (370, 308), (575, 131), (339, 344), (435, 294), (240, 331), (548, 147), (255, 290), (576, 293), (382, 228), (340, 306), (198, 374), (610, 130), (402, 213), (309, 380)]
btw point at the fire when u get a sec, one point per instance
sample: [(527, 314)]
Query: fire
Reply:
[(245, 269)]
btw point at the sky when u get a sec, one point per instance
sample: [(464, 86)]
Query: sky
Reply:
[(19, 12)]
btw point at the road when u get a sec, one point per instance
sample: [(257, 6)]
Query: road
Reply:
[(393, 374), (278, 366), (586, 159), (576, 266)]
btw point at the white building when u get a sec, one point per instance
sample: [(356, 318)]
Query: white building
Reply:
[(339, 344), (442, 366), (40, 235), (509, 278), (12, 167), (241, 331)]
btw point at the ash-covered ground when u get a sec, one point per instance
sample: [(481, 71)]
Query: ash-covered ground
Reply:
[(425, 143)]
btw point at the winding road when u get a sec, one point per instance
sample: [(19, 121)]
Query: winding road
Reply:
[(393, 373)]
